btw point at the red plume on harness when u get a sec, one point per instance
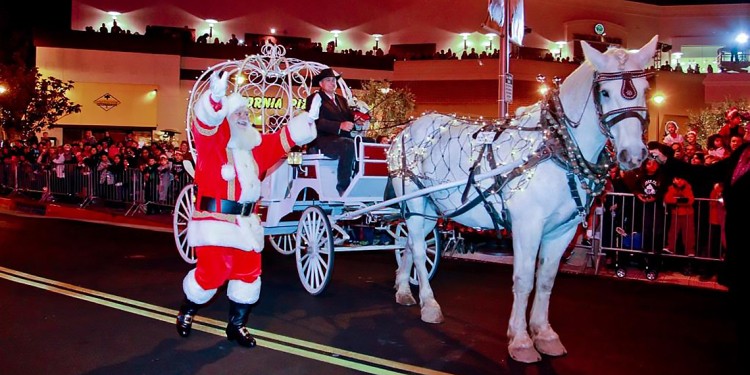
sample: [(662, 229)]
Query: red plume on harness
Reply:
[(361, 116)]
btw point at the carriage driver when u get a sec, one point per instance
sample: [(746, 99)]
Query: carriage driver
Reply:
[(335, 125), (227, 234)]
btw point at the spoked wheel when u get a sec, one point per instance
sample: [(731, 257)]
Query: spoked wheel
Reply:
[(314, 250), (434, 251), (183, 211), (284, 243)]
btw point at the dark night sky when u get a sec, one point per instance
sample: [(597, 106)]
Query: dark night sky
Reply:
[(691, 2)]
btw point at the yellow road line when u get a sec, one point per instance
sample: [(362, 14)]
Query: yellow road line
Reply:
[(306, 349)]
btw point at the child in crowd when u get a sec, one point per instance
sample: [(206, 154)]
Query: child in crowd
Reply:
[(671, 135), (680, 198), (691, 139), (716, 214), (716, 149), (165, 178)]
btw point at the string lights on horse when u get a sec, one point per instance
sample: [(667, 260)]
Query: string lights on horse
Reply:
[(542, 170)]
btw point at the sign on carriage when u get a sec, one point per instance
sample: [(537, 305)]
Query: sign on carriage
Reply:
[(509, 88)]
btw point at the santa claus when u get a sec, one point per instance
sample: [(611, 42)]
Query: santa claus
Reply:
[(232, 158)]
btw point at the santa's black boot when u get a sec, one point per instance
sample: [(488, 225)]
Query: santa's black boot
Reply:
[(236, 330), (187, 313)]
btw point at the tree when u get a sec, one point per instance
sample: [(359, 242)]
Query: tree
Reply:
[(30, 103), (709, 120), (390, 108)]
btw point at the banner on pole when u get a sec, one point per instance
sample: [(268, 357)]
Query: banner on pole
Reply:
[(517, 22), (496, 10)]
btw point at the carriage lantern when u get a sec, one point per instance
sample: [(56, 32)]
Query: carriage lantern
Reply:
[(294, 158)]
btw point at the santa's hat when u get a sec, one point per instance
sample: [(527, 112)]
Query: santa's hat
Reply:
[(732, 112), (234, 102)]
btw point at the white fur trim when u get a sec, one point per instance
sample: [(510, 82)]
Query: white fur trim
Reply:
[(246, 235), (302, 128), (205, 112), (227, 172), (247, 174), (234, 102), (194, 292), (242, 292)]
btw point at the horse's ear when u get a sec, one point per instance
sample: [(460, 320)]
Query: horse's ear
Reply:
[(646, 53), (593, 56)]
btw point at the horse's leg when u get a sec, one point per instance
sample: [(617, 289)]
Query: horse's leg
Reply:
[(431, 312), (403, 289), (415, 253), (553, 246), (526, 241)]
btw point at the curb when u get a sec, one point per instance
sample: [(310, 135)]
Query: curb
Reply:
[(55, 211)]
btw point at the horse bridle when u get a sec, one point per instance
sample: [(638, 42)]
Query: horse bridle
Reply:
[(628, 91)]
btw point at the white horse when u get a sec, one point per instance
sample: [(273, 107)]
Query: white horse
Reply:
[(554, 157)]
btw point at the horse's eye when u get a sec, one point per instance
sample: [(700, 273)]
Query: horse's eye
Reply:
[(604, 93)]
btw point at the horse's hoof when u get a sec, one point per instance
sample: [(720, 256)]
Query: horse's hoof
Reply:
[(431, 313), (524, 354), (405, 299), (551, 347), (432, 316)]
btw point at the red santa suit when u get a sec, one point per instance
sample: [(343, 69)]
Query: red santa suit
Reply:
[(224, 229)]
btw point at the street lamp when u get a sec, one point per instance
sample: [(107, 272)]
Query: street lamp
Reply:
[(658, 99), (211, 23), (335, 37), (377, 39), (490, 36), (466, 37), (561, 45), (741, 38)]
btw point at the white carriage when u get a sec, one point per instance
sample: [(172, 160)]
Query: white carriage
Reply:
[(301, 210)]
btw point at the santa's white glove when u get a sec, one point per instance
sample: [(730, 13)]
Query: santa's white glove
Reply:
[(657, 155), (227, 172), (218, 86), (302, 129)]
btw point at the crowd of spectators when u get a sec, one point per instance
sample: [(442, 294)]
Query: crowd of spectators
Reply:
[(117, 167), (669, 214)]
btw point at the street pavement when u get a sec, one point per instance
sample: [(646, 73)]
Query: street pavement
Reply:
[(94, 298)]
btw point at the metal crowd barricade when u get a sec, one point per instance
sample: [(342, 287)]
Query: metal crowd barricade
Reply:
[(160, 192), (87, 186), (626, 226), (8, 177)]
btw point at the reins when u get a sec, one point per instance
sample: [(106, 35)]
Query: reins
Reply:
[(558, 144)]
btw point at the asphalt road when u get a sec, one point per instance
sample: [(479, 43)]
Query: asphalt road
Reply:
[(81, 298)]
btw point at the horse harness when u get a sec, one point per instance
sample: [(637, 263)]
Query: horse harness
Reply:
[(552, 117)]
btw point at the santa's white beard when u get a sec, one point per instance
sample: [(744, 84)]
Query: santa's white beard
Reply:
[(243, 137)]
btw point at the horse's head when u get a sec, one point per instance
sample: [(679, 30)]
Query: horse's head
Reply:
[(619, 92)]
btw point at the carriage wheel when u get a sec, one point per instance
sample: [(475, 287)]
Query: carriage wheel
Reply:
[(314, 250), (183, 211), (284, 243), (434, 250)]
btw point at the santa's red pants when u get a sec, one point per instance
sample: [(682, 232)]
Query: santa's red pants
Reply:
[(218, 264)]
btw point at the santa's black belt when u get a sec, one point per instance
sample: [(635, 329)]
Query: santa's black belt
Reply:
[(226, 206)]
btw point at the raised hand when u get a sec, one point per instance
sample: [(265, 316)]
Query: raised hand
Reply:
[(218, 85), (657, 155)]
